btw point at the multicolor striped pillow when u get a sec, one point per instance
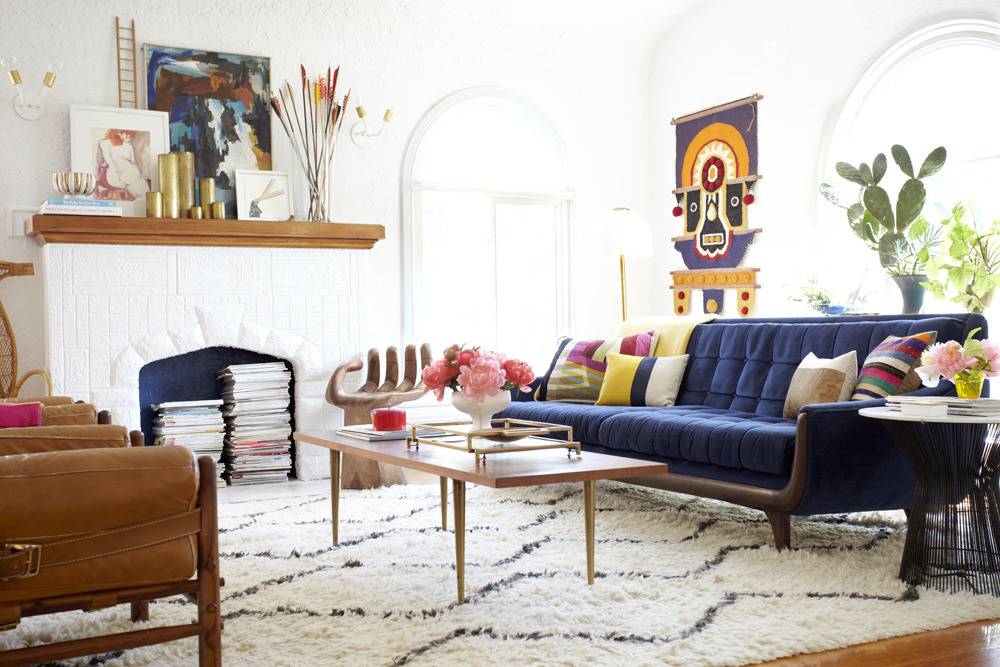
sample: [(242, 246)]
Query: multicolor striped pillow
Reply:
[(889, 363), (577, 369), (642, 381)]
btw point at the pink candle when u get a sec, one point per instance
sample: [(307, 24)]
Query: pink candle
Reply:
[(389, 419)]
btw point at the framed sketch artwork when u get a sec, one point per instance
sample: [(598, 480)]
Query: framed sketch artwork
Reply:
[(263, 195), (120, 148)]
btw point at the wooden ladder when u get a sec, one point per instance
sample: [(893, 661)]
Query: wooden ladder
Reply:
[(128, 78)]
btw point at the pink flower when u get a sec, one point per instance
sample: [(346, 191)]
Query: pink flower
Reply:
[(451, 352), (484, 377), (437, 376), (519, 373), (991, 352), (466, 357), (943, 360)]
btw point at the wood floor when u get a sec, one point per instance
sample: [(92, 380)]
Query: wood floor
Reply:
[(969, 645)]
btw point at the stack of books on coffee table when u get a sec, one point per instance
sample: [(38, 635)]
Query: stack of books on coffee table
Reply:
[(196, 425), (258, 423)]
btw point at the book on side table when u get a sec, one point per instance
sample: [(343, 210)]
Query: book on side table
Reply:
[(944, 406)]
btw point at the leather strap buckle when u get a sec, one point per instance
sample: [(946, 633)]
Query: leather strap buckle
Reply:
[(34, 562)]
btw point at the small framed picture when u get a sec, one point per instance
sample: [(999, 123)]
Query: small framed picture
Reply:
[(120, 148), (263, 195)]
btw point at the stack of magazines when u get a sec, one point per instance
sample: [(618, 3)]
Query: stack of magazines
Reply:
[(197, 425), (258, 423), (944, 406), (80, 207)]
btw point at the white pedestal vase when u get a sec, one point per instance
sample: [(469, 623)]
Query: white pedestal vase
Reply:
[(481, 413)]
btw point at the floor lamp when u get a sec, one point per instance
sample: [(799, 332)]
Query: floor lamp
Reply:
[(627, 234)]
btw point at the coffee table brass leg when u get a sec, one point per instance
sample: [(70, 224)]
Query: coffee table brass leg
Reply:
[(444, 503), (458, 491), (588, 512), (335, 492)]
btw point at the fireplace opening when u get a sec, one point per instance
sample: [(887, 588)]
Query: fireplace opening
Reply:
[(194, 377)]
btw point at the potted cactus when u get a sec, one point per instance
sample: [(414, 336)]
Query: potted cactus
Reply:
[(901, 237)]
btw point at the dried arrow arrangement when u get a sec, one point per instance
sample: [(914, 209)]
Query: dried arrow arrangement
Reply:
[(313, 132)]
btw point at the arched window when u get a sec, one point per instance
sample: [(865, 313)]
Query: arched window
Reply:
[(928, 90), (486, 207), (918, 94)]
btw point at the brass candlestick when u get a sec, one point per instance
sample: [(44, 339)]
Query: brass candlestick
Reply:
[(154, 205), (206, 191), (218, 210), (185, 193), (196, 212), (169, 168)]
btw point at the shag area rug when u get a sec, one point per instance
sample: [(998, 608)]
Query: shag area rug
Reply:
[(681, 581)]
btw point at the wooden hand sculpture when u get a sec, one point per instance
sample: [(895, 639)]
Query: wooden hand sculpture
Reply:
[(10, 384), (375, 393)]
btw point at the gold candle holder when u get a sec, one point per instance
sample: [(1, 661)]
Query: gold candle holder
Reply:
[(185, 192), (154, 205), (196, 212), (206, 191), (169, 167), (218, 210)]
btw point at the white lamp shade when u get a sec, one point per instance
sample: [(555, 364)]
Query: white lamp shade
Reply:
[(627, 233)]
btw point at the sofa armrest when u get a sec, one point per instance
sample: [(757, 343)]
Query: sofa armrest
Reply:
[(852, 464), (56, 497), (39, 439)]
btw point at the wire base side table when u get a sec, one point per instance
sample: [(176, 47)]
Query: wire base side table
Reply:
[(953, 534)]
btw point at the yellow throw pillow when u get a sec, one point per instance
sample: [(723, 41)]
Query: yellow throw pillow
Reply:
[(821, 381), (642, 381)]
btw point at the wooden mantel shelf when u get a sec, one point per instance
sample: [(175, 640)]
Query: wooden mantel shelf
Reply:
[(188, 232)]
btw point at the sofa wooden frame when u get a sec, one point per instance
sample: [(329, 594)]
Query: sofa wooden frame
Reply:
[(203, 589)]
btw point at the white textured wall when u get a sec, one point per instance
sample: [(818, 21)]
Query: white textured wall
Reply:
[(584, 64), (805, 58)]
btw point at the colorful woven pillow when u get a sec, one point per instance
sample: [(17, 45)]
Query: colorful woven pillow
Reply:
[(577, 369), (642, 381), (888, 365)]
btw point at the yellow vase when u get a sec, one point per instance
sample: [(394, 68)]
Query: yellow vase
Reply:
[(969, 385)]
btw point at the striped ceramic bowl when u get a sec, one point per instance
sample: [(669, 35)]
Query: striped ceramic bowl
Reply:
[(73, 183)]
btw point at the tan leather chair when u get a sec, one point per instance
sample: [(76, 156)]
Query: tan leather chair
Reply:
[(63, 411), (87, 522)]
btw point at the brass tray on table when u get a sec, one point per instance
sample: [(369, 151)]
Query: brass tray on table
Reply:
[(507, 435)]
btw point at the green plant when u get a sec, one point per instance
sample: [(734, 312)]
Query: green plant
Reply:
[(815, 296), (872, 217), (966, 268)]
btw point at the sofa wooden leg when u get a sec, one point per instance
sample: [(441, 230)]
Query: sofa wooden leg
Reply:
[(140, 611), (781, 526)]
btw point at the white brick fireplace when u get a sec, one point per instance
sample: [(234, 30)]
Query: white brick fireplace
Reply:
[(112, 309)]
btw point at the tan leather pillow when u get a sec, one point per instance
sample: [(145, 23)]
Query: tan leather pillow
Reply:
[(821, 381), (44, 400), (66, 415)]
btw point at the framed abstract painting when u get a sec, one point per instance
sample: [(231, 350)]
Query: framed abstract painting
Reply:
[(220, 110), (120, 147)]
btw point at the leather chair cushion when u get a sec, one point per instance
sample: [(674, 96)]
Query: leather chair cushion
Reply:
[(81, 414), (56, 496), (60, 438), (44, 400)]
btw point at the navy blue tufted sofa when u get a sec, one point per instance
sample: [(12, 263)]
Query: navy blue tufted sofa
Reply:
[(726, 439)]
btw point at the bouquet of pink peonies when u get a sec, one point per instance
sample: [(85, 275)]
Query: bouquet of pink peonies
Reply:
[(965, 365), (479, 374)]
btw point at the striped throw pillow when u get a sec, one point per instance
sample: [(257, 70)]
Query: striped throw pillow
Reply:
[(889, 363), (577, 369), (642, 381)]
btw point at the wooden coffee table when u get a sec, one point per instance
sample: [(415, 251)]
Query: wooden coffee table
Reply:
[(501, 471)]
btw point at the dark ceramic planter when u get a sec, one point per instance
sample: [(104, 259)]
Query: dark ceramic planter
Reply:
[(912, 291)]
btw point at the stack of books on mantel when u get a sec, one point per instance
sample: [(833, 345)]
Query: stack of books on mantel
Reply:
[(197, 425), (258, 423), (944, 406), (80, 207)]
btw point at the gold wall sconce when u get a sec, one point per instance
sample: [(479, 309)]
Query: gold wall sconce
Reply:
[(361, 134), (28, 104)]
